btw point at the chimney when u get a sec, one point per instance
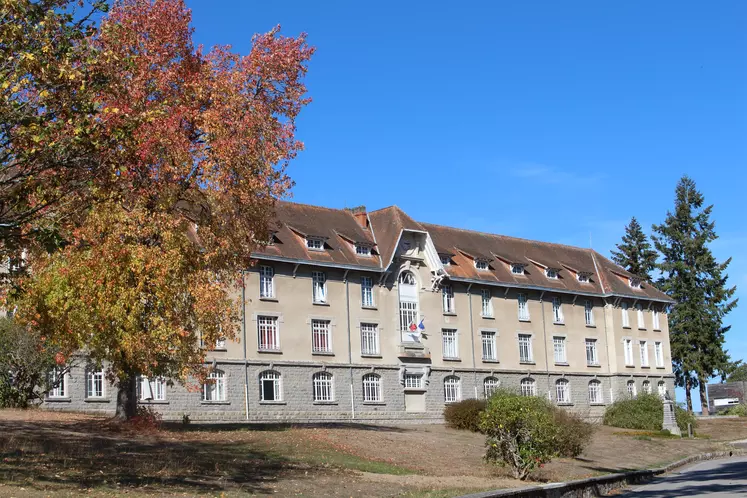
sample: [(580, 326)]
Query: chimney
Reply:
[(360, 215)]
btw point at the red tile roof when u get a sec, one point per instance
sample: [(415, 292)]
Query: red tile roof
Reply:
[(340, 230)]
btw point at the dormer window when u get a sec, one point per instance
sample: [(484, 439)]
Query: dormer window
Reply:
[(551, 273), (517, 269), (362, 250), (481, 264), (583, 278), (635, 283), (315, 243), (445, 259)]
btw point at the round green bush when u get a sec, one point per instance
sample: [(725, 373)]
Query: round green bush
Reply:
[(465, 414), (644, 412), (525, 432)]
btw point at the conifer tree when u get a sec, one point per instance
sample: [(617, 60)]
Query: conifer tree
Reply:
[(693, 278), (635, 253)]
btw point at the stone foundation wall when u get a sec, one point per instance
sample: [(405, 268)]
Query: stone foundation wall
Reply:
[(297, 403)]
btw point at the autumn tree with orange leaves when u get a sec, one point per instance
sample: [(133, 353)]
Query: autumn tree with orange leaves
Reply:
[(195, 147)]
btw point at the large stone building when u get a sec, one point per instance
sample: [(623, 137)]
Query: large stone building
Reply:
[(373, 316)]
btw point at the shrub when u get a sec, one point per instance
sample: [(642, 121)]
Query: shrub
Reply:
[(574, 433), (25, 363), (465, 414), (146, 419), (684, 417), (521, 432), (738, 410), (644, 412)]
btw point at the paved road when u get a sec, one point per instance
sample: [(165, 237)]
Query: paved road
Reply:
[(714, 478)]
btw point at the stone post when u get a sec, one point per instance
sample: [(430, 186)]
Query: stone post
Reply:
[(670, 422)]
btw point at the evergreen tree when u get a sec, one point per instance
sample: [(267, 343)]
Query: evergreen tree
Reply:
[(693, 278), (635, 253)]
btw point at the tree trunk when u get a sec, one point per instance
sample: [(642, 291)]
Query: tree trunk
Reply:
[(687, 396), (126, 398), (703, 397)]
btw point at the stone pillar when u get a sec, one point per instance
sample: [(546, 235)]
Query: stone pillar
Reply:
[(670, 422)]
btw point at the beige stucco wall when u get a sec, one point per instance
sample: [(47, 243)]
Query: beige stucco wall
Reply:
[(293, 305)]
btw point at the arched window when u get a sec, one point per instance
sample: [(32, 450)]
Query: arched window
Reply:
[(214, 388), (270, 386), (595, 392), (528, 387), (324, 387), (662, 388), (563, 391), (372, 387), (491, 384), (646, 387), (631, 388), (408, 307), (452, 389)]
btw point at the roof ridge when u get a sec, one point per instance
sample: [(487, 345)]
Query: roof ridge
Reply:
[(387, 207), (344, 210), (521, 239)]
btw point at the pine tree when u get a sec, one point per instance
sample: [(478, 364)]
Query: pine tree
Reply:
[(693, 278), (635, 253)]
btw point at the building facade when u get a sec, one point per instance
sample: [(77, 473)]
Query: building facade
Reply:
[(375, 317)]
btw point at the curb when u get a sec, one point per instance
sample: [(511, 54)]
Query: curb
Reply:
[(602, 485)]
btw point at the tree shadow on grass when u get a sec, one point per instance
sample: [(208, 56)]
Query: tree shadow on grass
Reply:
[(277, 426), (90, 455)]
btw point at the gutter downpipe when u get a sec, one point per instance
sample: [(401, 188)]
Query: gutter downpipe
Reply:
[(544, 335), (350, 347), (472, 338), (243, 339)]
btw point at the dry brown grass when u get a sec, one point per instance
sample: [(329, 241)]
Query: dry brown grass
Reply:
[(61, 454)]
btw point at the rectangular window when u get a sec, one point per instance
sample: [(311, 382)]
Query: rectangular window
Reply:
[(321, 337), (95, 384), (644, 353), (487, 303), (58, 383), (589, 312), (367, 296), (655, 318), (551, 273), (517, 269), (625, 317), (557, 310), (659, 354), (639, 313), (523, 307), (371, 388), (413, 381), (319, 287), (324, 387), (595, 392), (445, 260), (268, 338), (628, 349), (489, 348), (591, 352), (525, 348), (447, 293), (151, 389), (266, 282), (408, 315), (450, 343), (315, 244), (369, 339), (583, 278), (558, 347)]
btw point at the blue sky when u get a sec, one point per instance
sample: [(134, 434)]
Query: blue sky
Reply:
[(549, 120)]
